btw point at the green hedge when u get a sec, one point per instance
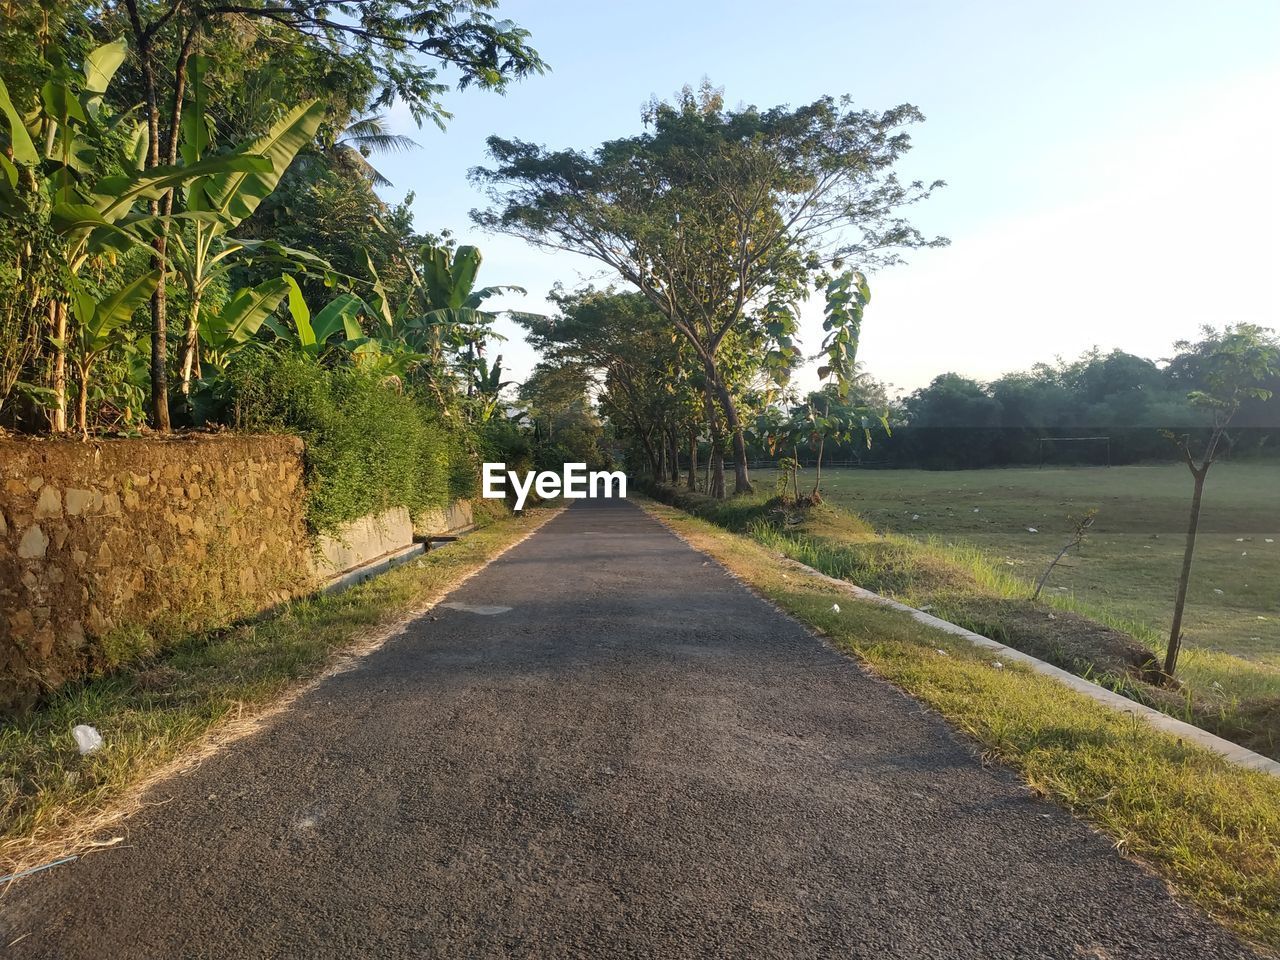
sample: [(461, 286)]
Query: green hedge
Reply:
[(369, 446)]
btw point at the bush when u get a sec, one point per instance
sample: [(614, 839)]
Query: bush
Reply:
[(369, 447)]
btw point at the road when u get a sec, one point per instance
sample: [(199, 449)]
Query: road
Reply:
[(607, 748)]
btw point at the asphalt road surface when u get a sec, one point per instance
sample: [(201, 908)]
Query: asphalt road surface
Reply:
[(608, 748)]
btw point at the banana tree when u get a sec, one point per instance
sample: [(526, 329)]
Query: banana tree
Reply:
[(217, 203), (314, 335), (487, 386), (227, 331), (448, 303), (96, 320), (58, 148)]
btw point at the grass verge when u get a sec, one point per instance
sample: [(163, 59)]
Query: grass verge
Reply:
[(1210, 829), (159, 715), (1236, 699)]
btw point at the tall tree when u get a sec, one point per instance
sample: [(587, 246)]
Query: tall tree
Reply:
[(714, 213)]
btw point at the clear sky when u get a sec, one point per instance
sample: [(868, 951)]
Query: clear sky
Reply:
[(1113, 166)]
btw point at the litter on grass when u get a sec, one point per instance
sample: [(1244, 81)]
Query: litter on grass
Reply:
[(88, 740)]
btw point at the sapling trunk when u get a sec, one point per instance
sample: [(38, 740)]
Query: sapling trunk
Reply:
[(191, 350), (82, 400), (817, 477), (1175, 631), (58, 415)]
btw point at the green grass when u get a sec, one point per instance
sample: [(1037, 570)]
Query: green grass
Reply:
[(1127, 571), (1129, 567), (154, 713), (1211, 829)]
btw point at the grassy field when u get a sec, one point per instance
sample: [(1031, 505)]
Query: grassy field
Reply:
[(1212, 830), (1129, 567)]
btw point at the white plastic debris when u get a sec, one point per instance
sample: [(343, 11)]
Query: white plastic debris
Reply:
[(915, 516), (1217, 591), (835, 608), (977, 509), (997, 664), (1053, 616), (88, 740), (1269, 540), (1032, 530), (942, 653)]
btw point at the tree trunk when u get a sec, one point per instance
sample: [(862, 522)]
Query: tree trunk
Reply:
[(159, 341), (58, 322), (661, 473), (673, 438), (191, 350), (82, 403), (1175, 632), (817, 475), (646, 439), (693, 460), (715, 476), (795, 471), (741, 479), (716, 488)]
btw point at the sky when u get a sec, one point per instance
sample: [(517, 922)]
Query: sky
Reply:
[(1112, 168)]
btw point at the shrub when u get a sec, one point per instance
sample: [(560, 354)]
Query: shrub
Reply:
[(369, 446)]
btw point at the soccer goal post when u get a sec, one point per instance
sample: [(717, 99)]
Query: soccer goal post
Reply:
[(1103, 444)]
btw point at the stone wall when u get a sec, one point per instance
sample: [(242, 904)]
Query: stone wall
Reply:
[(111, 549)]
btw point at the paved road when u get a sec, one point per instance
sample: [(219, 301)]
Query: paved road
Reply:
[(637, 759)]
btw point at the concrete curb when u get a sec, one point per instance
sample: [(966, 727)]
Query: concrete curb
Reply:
[(349, 578), (1232, 752)]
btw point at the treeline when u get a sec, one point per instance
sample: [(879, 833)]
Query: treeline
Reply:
[(718, 222), (957, 422)]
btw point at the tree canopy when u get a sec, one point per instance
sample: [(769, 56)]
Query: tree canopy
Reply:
[(721, 218)]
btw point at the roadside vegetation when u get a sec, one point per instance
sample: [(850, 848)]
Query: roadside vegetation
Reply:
[(192, 237), (1209, 828), (171, 709)]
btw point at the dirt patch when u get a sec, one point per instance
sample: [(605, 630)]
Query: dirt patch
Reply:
[(1068, 640)]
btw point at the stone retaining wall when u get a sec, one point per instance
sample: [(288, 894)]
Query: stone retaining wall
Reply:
[(110, 549)]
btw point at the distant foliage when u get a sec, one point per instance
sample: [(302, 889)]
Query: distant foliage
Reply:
[(960, 423), (368, 448)]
